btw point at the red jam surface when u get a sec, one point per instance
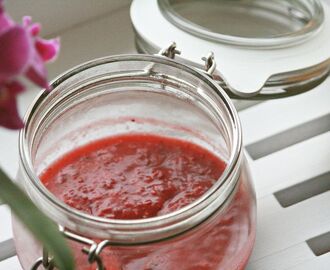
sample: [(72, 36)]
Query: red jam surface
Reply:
[(133, 176), (140, 176)]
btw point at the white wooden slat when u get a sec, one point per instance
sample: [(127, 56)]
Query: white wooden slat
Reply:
[(279, 228), (292, 165), (317, 263), (241, 105), (10, 264), (282, 260), (5, 224), (9, 138), (7, 249), (7, 152), (275, 116)]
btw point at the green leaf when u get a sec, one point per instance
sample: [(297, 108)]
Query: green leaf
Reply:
[(39, 225)]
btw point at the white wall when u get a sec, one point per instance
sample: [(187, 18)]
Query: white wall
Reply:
[(59, 15)]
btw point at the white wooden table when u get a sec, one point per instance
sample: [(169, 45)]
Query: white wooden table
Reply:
[(288, 144)]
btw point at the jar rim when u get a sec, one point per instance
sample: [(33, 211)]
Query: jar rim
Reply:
[(223, 187)]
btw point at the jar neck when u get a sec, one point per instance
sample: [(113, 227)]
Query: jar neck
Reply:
[(106, 76)]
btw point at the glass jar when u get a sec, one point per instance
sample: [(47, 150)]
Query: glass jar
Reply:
[(141, 94)]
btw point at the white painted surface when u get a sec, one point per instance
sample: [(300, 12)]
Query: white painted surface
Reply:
[(275, 116), (5, 224), (282, 228), (311, 158), (10, 264), (281, 231)]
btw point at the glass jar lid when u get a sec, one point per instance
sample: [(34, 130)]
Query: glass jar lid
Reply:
[(256, 23), (263, 49)]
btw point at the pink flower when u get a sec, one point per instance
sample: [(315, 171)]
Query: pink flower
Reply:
[(22, 54)]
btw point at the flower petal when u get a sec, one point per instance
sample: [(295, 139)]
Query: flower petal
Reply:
[(15, 88), (48, 49), (5, 21), (15, 51), (35, 29), (9, 116), (26, 20), (37, 72), (22, 51)]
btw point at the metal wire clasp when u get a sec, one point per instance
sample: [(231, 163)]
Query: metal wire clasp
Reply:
[(170, 51), (210, 64), (92, 249), (45, 261), (209, 61)]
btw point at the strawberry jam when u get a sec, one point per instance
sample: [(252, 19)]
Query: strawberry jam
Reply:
[(133, 176), (141, 176)]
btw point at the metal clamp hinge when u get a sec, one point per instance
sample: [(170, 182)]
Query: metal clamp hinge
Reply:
[(209, 61), (45, 261), (170, 51), (92, 249)]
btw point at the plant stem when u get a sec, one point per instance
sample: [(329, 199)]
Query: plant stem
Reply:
[(36, 222)]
